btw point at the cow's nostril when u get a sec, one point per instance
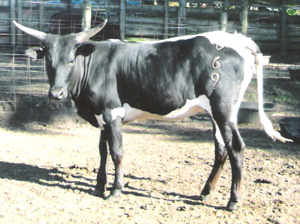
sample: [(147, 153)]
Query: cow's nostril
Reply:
[(61, 94), (56, 94)]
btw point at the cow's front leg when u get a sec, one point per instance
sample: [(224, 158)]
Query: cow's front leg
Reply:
[(114, 138), (102, 173)]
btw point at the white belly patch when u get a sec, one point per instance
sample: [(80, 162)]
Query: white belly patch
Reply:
[(129, 114)]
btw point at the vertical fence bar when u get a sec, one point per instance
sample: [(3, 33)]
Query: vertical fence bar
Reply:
[(41, 16), (122, 19), (13, 17), (20, 17), (181, 17), (166, 19), (107, 9)]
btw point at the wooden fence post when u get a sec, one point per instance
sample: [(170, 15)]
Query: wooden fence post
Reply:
[(122, 18), (166, 19), (181, 17), (283, 29), (12, 17), (87, 15), (244, 17), (224, 15)]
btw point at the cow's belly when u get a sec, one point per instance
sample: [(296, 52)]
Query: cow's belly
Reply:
[(129, 114)]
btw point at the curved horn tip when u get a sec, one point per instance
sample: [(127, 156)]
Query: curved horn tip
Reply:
[(102, 25), (16, 23), (85, 35), (32, 32)]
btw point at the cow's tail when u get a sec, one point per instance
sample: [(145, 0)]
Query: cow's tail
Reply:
[(267, 124)]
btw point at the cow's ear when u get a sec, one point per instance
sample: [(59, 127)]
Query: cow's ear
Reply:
[(35, 53), (85, 49)]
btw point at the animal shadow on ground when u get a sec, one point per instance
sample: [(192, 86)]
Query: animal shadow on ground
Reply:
[(55, 177), (42, 176)]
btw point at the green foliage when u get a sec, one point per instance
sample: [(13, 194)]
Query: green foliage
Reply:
[(284, 97), (252, 97), (293, 12)]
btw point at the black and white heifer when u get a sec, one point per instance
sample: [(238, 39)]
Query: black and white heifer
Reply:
[(115, 82)]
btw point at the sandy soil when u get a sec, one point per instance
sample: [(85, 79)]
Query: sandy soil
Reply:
[(47, 172)]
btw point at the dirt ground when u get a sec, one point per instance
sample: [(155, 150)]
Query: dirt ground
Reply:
[(48, 166)]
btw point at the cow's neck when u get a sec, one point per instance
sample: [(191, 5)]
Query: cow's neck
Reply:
[(79, 78)]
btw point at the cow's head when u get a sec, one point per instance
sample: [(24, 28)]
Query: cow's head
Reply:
[(60, 53)]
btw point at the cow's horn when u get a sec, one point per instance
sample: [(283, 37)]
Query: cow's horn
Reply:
[(34, 33), (87, 34)]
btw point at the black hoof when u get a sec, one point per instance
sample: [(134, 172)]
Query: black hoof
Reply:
[(98, 193)]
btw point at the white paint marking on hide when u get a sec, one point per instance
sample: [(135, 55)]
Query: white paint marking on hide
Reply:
[(243, 46)]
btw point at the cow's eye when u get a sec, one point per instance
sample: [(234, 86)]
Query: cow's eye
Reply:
[(72, 63)]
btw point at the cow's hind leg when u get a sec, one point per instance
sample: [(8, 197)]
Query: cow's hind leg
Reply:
[(220, 158), (235, 148), (102, 173)]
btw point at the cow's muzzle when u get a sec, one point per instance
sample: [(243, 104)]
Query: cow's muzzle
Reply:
[(56, 94)]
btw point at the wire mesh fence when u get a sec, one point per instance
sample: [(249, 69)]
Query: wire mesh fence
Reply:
[(19, 77)]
